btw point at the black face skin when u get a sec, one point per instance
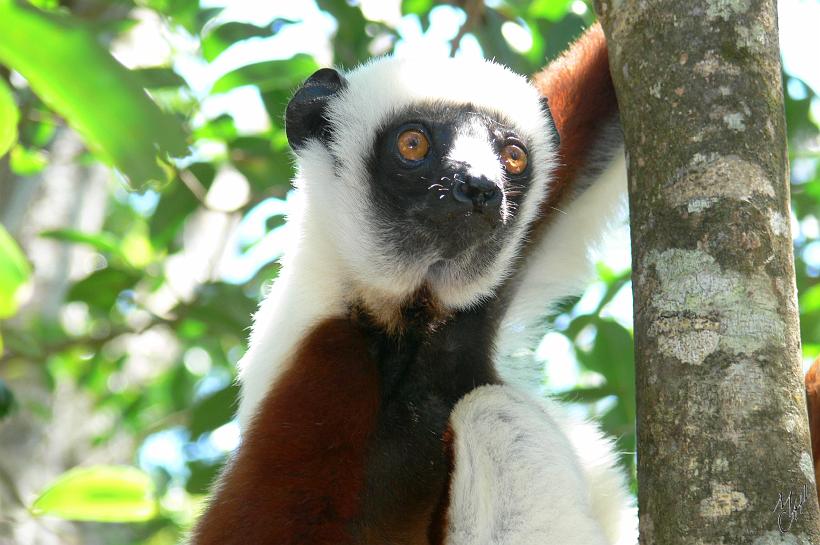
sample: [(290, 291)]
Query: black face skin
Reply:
[(422, 207)]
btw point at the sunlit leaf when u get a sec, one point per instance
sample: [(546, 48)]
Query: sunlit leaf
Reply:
[(14, 273), (104, 242), (269, 75), (9, 116), (221, 127), (39, 129), (27, 162), (182, 12), (554, 10), (416, 7), (137, 249), (105, 103), (810, 300), (99, 493)]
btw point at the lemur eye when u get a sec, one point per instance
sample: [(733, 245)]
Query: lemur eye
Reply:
[(514, 159), (413, 145)]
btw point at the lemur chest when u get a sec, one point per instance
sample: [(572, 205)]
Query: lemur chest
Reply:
[(422, 374)]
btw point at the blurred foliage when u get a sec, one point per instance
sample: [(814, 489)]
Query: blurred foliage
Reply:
[(100, 493), (152, 124)]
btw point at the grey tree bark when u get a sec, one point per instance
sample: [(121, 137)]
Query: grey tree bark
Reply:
[(723, 441)]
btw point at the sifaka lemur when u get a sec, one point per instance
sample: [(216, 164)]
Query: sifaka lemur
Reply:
[(440, 214)]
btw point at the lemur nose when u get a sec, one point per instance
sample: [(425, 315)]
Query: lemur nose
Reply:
[(479, 190)]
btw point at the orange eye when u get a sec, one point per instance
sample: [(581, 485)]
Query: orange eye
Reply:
[(413, 145), (514, 159)]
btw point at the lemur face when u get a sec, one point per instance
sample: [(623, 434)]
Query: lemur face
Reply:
[(447, 180), (426, 174)]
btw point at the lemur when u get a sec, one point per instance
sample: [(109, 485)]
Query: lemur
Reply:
[(437, 214)]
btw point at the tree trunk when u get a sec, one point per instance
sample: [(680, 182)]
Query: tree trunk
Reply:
[(723, 443)]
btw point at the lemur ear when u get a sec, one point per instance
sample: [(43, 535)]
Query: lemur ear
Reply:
[(305, 115), (545, 106)]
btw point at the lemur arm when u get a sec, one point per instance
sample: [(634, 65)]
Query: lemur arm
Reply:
[(586, 195), (297, 476), (582, 99), (524, 471)]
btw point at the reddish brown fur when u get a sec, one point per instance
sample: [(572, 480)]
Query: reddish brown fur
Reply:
[(813, 405), (582, 100), (437, 532), (298, 474)]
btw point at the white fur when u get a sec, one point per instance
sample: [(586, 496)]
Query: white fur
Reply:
[(526, 474), (560, 266), (473, 148)]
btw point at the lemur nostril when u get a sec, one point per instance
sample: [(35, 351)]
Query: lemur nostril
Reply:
[(462, 191), (476, 190)]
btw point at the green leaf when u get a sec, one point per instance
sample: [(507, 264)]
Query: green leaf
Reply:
[(176, 204), (27, 162), (613, 356), (103, 101), (182, 12), (159, 77), (101, 288), (416, 7), (269, 75), (7, 402), (223, 36), (14, 272), (613, 286), (9, 117), (260, 163), (810, 300), (554, 10), (221, 127), (46, 4), (104, 242), (203, 475), (495, 46), (351, 41), (40, 127), (99, 493), (214, 411)]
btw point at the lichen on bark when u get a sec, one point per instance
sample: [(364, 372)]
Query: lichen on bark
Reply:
[(722, 427)]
